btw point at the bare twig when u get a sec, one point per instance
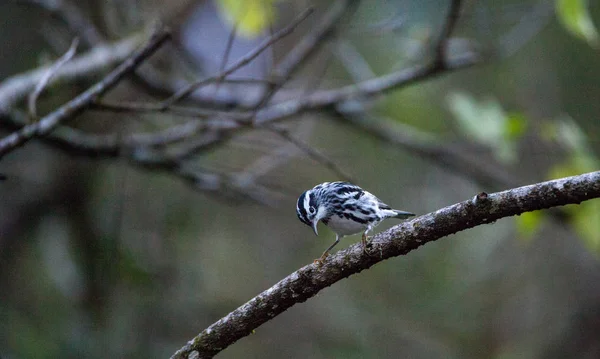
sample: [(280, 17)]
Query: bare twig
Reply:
[(78, 104), (218, 126), (527, 27), (312, 153), (311, 43), (398, 240), (243, 61), (356, 65), (225, 58), (109, 145), (441, 49), (475, 167), (392, 24), (32, 100), (367, 89), (98, 59), (141, 107)]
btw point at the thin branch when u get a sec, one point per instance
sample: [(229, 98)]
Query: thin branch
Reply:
[(398, 240), (441, 50), (353, 61), (312, 153), (364, 90), (392, 24), (527, 27), (247, 178), (78, 104), (223, 124), (16, 88), (481, 170), (78, 142), (108, 145), (141, 150), (225, 58), (295, 58), (144, 107), (32, 100), (325, 99), (187, 90), (243, 61), (311, 43)]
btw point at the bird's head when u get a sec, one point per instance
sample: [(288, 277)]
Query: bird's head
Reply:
[(309, 209)]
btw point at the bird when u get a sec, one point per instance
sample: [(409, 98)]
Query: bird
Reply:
[(346, 209)]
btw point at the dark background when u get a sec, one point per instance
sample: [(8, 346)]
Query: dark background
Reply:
[(100, 258)]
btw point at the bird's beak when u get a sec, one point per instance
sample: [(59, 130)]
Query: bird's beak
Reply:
[(314, 226)]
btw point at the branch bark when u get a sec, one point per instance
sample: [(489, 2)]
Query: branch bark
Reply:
[(399, 240)]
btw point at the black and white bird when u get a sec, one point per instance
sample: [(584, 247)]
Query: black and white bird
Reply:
[(344, 208)]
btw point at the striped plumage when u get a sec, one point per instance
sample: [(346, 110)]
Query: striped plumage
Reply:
[(344, 208)]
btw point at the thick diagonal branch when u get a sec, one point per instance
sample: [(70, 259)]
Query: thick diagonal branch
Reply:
[(398, 240)]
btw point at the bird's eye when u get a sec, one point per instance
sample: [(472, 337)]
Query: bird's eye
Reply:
[(312, 209)]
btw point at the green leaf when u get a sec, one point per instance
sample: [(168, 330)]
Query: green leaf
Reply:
[(484, 121), (250, 17), (528, 224), (515, 126), (575, 17), (487, 123)]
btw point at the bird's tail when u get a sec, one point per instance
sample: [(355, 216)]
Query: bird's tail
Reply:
[(402, 214)]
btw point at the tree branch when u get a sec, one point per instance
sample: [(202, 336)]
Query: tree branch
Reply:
[(441, 48), (327, 99), (79, 103), (483, 170), (219, 126), (33, 96), (15, 88), (398, 240), (243, 61), (302, 51)]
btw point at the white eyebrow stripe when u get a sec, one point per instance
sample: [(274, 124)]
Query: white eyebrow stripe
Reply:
[(307, 201)]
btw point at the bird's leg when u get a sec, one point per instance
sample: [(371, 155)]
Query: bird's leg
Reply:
[(320, 260), (365, 242)]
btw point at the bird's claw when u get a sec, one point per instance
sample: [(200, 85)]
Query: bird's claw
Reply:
[(319, 261), (366, 243)]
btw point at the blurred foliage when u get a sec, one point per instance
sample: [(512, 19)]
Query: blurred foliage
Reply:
[(580, 159), (487, 123), (250, 17), (529, 223), (575, 17), (102, 259)]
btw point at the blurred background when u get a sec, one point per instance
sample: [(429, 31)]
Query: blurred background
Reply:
[(103, 255)]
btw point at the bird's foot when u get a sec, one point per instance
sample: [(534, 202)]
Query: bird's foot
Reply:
[(319, 261), (366, 244)]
